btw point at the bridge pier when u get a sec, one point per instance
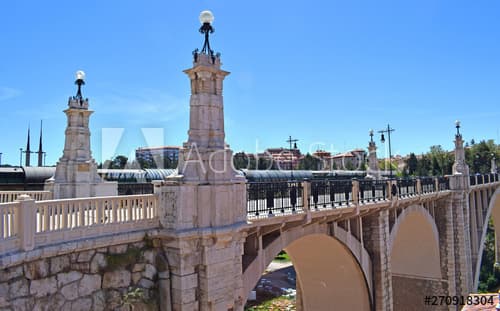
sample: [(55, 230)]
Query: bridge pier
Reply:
[(376, 227)]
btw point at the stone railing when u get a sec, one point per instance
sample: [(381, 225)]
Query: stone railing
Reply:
[(26, 223), (11, 196)]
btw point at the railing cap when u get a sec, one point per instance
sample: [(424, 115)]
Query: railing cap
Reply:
[(23, 197)]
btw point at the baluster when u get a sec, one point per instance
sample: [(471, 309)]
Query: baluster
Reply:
[(65, 208)]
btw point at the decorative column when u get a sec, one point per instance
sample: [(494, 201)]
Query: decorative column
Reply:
[(373, 169), (204, 205), (458, 204), (76, 171)]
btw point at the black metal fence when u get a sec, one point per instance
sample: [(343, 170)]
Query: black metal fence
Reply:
[(443, 183), (372, 190), (274, 197), (407, 187), (279, 197), (330, 193), (428, 184)]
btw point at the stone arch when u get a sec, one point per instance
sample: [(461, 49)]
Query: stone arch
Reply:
[(414, 244), (494, 212), (415, 260), (331, 272)]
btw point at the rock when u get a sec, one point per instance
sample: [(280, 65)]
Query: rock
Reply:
[(70, 291), (22, 304), (115, 279), (43, 287), (11, 273), (89, 284), (98, 263), (59, 264), (113, 299), (149, 272), (145, 283), (18, 288), (85, 256), (138, 267), (83, 267), (82, 304), (51, 303), (68, 277), (149, 256), (118, 249), (98, 301), (136, 276), (36, 269)]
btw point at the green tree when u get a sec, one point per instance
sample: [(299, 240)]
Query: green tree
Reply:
[(423, 166), (412, 164), (489, 276)]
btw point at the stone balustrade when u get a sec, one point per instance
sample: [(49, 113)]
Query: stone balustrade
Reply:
[(26, 223), (11, 196)]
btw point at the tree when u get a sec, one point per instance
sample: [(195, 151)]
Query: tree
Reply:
[(423, 166), (119, 162), (412, 164)]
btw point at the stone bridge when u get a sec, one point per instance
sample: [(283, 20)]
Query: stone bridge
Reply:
[(205, 236), (361, 244)]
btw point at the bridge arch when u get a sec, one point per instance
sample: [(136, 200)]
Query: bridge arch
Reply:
[(414, 244), (493, 212), (415, 258), (332, 272)]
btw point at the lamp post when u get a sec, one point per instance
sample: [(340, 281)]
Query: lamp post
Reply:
[(382, 139), (290, 141), (206, 19), (457, 125), (20, 157), (493, 163)]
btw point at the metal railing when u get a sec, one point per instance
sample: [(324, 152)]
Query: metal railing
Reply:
[(274, 197), (330, 193), (443, 183), (406, 187), (428, 184), (372, 190)]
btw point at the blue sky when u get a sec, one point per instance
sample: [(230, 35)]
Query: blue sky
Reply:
[(324, 72)]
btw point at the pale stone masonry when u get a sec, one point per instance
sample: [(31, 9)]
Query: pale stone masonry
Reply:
[(204, 206), (116, 277), (76, 171)]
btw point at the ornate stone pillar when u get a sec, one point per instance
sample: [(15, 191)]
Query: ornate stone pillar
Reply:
[(373, 168), (458, 205), (76, 171), (204, 205)]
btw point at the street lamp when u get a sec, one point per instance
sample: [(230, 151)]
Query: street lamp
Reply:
[(20, 157), (206, 19), (290, 141), (457, 125), (382, 139)]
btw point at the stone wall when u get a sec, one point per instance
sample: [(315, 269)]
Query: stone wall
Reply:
[(109, 278), (409, 293)]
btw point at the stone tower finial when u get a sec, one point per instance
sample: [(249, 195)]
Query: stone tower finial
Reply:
[(373, 169), (459, 166), (76, 171)]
